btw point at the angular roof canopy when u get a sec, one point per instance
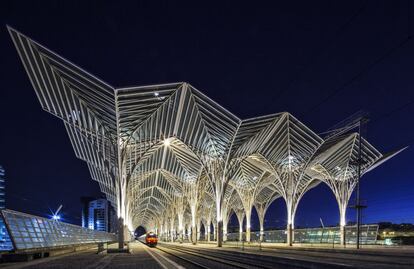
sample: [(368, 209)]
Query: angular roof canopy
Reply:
[(148, 145)]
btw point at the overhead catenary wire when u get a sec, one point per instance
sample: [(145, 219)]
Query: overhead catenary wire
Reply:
[(370, 66), (323, 51), (356, 77), (391, 112)]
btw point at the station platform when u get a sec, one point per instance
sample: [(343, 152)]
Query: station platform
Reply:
[(409, 249), (231, 255), (268, 254), (140, 256)]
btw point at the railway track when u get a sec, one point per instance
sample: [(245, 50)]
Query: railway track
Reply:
[(191, 261), (187, 261), (206, 260), (371, 259), (304, 259)]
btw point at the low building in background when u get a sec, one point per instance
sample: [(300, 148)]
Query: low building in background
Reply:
[(396, 234)]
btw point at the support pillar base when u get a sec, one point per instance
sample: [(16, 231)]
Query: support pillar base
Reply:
[(342, 234), (121, 235), (194, 235), (289, 239), (248, 234), (220, 233)]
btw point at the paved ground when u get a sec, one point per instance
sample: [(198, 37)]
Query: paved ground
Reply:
[(376, 258), (319, 246), (209, 256), (140, 257)]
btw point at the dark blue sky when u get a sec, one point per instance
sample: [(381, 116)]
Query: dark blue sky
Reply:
[(320, 60)]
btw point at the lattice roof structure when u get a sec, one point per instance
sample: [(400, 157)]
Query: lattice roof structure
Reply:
[(160, 152)]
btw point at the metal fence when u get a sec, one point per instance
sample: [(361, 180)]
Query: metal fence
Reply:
[(32, 232), (327, 235)]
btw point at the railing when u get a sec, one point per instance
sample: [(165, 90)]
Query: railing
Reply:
[(29, 232), (327, 235)]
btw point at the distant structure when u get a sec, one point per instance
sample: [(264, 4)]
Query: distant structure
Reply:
[(5, 243), (85, 210), (2, 188), (97, 214)]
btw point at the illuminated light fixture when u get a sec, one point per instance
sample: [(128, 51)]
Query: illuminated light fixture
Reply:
[(156, 94), (75, 115), (290, 163), (56, 215), (167, 142), (338, 168), (190, 179)]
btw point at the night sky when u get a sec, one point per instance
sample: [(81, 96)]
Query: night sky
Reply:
[(320, 60)]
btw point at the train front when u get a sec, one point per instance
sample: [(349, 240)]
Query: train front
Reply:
[(151, 239)]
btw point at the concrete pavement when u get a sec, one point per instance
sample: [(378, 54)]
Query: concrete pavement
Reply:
[(140, 257)]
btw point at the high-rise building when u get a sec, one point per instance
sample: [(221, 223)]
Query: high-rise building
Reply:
[(97, 214), (2, 188), (85, 210), (5, 243)]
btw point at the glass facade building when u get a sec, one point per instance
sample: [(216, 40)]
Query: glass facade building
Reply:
[(2, 188), (97, 214), (85, 210), (5, 243)]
